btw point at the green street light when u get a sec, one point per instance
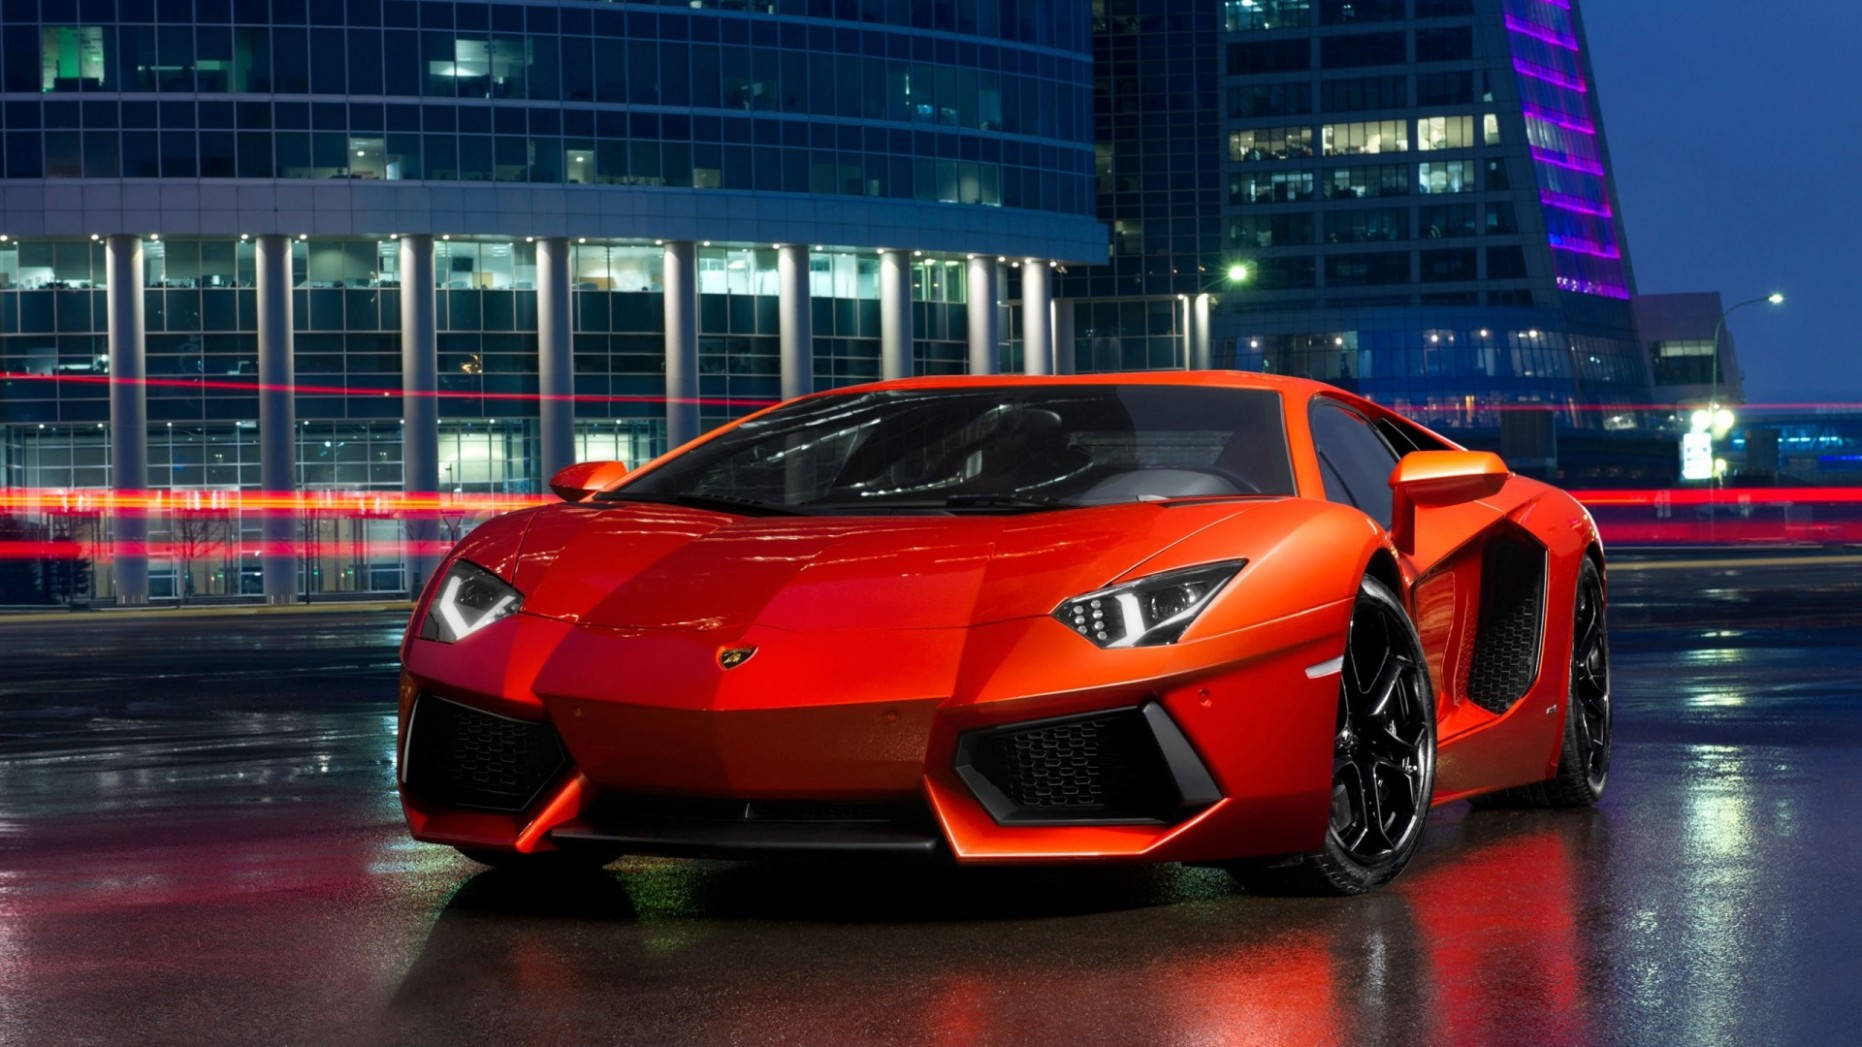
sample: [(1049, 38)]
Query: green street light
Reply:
[(1196, 309)]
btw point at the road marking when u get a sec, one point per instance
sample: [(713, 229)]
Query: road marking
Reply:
[(1756, 561)]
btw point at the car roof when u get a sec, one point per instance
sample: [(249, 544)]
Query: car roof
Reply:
[(1298, 387), (1296, 391)]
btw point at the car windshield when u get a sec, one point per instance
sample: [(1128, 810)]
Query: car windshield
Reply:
[(991, 449)]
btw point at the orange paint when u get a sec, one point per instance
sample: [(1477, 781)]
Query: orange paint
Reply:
[(879, 640)]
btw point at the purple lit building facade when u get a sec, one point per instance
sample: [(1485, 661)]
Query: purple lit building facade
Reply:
[(1420, 190), (1569, 155)]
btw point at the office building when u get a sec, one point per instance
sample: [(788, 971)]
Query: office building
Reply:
[(422, 245), (1419, 192)]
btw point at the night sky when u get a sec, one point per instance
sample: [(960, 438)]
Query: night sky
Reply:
[(1736, 131)]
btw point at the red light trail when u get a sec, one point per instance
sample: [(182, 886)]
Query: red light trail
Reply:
[(1741, 516), (379, 392)]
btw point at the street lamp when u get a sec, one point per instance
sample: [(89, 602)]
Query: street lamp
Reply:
[(1713, 398), (1196, 313), (1715, 416)]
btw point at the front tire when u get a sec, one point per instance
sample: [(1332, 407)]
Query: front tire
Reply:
[(1383, 760)]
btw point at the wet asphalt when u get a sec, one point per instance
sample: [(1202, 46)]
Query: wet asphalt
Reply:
[(199, 842)]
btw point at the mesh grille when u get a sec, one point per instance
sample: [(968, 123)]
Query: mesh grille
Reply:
[(461, 757), (1506, 647), (1106, 765)]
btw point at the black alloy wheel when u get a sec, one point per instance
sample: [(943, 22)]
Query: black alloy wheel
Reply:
[(1383, 759)]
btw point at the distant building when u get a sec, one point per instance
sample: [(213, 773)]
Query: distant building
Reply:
[(1688, 367), (1420, 190)]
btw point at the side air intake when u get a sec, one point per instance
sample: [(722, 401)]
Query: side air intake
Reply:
[(1512, 622)]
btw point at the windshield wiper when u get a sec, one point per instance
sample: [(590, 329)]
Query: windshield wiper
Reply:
[(947, 504), (1033, 502), (715, 503)]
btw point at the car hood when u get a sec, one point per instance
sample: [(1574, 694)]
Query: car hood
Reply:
[(648, 566)]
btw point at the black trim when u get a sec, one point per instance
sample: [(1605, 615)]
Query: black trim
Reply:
[(1195, 788), (750, 839), (706, 827), (1180, 785)]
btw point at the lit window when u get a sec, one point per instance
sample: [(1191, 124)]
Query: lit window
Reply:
[(1453, 176), (1270, 143), (70, 58), (1445, 132), (1374, 136)]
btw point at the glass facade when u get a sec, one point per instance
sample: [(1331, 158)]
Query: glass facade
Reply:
[(1418, 189), (1562, 125), (195, 128), (971, 102), (200, 312)]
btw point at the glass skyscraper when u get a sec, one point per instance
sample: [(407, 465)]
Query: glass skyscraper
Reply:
[(451, 245), (1419, 191)]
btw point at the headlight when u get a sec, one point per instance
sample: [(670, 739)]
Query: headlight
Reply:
[(470, 599), (1149, 611)]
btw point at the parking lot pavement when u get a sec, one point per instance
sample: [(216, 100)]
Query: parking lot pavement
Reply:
[(199, 842)]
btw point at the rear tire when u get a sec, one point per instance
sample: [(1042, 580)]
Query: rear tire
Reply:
[(1584, 758), (1383, 760)]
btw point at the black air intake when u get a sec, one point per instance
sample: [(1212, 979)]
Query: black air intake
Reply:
[(458, 756), (1512, 619), (1117, 766)]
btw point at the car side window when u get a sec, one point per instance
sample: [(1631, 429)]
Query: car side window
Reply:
[(1355, 460)]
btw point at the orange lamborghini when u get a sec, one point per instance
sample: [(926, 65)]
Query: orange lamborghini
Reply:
[(1212, 618)]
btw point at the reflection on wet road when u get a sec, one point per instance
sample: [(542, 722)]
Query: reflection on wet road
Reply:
[(199, 841)]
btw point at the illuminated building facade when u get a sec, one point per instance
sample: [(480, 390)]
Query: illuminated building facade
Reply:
[(1419, 189), (425, 245)]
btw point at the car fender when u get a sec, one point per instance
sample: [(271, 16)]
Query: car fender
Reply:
[(1301, 553)]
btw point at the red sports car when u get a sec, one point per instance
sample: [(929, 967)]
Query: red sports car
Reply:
[(1213, 618)]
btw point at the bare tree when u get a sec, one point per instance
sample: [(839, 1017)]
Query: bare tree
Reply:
[(197, 533)]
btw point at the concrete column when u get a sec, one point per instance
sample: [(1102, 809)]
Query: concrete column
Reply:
[(1005, 309), (1185, 351), (420, 406), (1200, 353), (129, 411), (1066, 354), (895, 314), (1037, 318), (797, 317), (985, 334), (681, 283), (277, 415), (555, 359)]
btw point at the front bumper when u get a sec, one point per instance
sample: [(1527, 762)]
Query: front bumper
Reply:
[(1235, 726)]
